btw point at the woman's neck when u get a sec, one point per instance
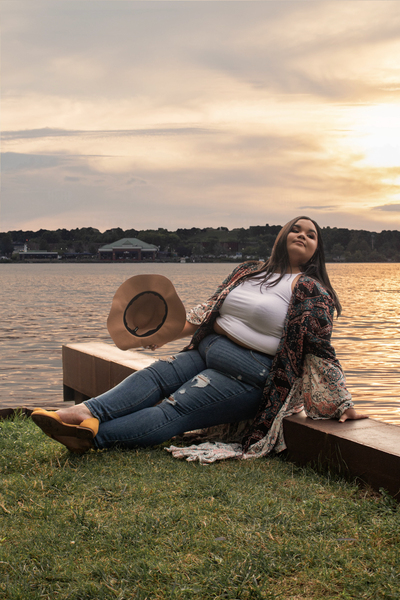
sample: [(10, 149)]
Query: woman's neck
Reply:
[(293, 270)]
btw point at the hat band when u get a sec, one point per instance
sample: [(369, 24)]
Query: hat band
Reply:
[(151, 331)]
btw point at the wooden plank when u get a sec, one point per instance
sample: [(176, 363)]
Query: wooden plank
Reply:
[(92, 368), (367, 449)]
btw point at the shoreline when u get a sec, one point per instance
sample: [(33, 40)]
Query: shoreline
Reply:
[(175, 261)]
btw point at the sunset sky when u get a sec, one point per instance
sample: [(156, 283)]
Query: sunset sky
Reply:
[(118, 113)]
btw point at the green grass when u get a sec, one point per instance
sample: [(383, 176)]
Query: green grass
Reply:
[(142, 525)]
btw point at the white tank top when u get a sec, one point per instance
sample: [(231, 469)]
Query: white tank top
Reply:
[(254, 314)]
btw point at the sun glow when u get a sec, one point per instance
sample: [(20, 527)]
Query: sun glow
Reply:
[(376, 134)]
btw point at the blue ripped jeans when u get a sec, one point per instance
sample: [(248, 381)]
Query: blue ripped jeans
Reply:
[(220, 382)]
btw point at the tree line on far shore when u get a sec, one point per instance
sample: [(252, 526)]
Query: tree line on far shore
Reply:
[(342, 245)]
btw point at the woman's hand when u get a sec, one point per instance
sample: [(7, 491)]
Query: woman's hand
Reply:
[(351, 414), (152, 347)]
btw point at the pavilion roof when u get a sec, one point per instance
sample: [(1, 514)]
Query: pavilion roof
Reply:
[(129, 244)]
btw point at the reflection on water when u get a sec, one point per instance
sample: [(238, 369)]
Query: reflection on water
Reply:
[(45, 306), (367, 335)]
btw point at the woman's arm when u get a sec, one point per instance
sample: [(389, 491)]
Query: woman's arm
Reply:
[(324, 384)]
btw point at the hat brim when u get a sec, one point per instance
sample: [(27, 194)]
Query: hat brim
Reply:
[(157, 295)]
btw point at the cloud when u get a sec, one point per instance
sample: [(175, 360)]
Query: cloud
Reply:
[(180, 50), (323, 207), (11, 161), (136, 181), (48, 132), (388, 207)]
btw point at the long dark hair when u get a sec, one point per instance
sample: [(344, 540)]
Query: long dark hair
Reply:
[(279, 262)]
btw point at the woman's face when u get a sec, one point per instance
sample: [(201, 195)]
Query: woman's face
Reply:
[(301, 243)]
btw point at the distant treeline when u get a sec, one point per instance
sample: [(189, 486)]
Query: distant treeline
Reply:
[(341, 244)]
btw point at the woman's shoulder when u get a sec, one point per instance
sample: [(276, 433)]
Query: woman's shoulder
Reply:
[(312, 288)]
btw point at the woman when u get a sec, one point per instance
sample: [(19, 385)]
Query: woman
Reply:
[(258, 346)]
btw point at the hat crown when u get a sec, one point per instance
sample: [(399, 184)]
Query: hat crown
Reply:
[(145, 314), (145, 310)]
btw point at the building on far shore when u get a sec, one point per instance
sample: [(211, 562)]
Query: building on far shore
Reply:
[(128, 249), (38, 255)]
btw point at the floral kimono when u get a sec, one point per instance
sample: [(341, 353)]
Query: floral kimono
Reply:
[(305, 372)]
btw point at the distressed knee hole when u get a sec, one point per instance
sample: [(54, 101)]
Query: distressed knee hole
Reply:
[(171, 400), (169, 359), (201, 381)]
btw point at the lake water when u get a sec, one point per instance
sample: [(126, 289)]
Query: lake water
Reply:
[(44, 306)]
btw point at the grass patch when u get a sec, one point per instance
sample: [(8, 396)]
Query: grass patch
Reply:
[(142, 525)]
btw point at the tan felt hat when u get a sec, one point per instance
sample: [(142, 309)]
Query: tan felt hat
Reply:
[(145, 310)]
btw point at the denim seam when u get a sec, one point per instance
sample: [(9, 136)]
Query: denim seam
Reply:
[(259, 361)]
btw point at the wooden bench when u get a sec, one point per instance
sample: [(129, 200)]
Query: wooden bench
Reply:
[(368, 450)]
